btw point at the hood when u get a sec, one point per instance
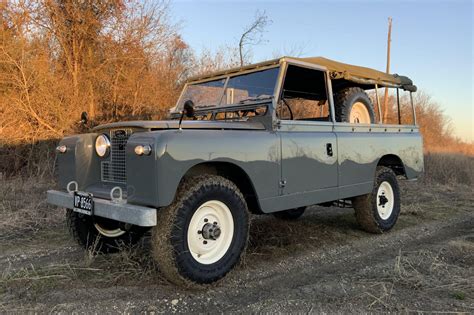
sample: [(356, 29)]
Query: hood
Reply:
[(187, 124)]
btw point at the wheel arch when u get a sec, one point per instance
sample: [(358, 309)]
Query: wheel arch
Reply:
[(393, 162), (235, 174)]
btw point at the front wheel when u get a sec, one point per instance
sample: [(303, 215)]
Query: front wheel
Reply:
[(202, 234), (101, 234), (378, 211)]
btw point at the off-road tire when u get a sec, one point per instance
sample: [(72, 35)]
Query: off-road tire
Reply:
[(365, 206), (344, 100), (82, 229), (169, 237), (290, 215)]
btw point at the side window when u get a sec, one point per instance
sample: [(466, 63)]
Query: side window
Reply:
[(304, 95)]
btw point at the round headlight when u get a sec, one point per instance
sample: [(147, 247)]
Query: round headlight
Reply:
[(102, 145)]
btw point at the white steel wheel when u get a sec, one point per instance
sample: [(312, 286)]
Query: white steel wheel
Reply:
[(210, 232), (359, 114), (385, 200), (116, 232)]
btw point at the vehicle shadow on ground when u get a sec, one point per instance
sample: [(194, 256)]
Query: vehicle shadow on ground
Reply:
[(274, 238), (270, 239)]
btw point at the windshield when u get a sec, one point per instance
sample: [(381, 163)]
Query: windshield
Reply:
[(239, 89)]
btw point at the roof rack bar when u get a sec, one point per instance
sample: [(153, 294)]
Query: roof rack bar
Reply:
[(413, 108), (398, 106), (378, 102)]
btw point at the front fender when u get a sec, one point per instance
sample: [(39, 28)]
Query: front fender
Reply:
[(154, 180)]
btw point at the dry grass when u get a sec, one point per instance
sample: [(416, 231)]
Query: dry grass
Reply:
[(449, 169), (23, 204), (130, 266), (429, 274), (429, 271)]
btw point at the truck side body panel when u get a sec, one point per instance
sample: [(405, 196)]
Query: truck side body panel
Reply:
[(358, 154), (288, 168)]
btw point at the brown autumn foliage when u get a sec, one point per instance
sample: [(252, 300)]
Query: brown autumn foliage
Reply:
[(115, 59)]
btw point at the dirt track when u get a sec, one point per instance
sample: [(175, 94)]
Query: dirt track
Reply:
[(321, 263)]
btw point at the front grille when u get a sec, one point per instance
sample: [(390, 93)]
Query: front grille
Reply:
[(115, 169)]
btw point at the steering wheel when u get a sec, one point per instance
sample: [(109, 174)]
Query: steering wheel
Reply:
[(289, 108)]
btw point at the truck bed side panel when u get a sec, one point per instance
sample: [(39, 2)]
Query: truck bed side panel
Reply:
[(360, 149)]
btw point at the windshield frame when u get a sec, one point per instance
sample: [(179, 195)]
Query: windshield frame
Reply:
[(227, 77)]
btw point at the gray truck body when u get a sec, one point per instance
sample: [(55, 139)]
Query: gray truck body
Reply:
[(277, 164)]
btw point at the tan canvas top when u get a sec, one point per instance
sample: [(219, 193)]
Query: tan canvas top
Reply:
[(338, 70)]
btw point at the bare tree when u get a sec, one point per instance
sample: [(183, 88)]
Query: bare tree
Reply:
[(252, 34), (294, 50)]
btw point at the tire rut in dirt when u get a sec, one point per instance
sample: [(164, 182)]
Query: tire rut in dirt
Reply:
[(349, 263)]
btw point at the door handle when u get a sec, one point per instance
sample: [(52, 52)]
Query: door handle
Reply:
[(329, 149)]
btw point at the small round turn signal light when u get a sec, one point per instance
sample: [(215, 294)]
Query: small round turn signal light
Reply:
[(61, 148), (142, 150)]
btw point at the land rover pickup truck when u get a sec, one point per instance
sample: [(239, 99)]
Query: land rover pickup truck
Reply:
[(269, 138)]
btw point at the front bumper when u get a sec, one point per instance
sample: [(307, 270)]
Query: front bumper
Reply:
[(123, 212)]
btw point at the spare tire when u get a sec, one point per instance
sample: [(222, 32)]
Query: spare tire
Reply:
[(353, 105)]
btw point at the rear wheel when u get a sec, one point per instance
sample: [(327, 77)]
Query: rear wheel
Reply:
[(378, 211), (202, 234), (291, 214), (101, 234)]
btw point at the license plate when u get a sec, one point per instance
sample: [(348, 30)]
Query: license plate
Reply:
[(83, 203)]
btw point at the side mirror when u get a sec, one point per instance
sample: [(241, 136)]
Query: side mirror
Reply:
[(84, 118), (188, 108)]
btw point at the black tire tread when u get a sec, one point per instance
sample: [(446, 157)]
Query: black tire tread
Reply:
[(72, 224), (290, 215), (82, 230), (364, 205), (162, 237), (344, 100)]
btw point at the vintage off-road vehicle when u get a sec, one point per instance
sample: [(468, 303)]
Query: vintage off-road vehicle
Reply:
[(270, 138)]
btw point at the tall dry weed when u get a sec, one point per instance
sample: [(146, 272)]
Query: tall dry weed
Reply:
[(449, 169), (23, 205)]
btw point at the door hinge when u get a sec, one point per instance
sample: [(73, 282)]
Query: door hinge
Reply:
[(277, 124), (282, 183)]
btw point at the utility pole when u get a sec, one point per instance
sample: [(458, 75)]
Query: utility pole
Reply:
[(385, 98)]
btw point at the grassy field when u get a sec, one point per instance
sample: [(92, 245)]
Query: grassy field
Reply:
[(320, 263)]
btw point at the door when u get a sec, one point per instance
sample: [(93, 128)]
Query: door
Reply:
[(309, 157), (308, 142)]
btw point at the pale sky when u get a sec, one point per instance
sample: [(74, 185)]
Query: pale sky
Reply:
[(431, 40)]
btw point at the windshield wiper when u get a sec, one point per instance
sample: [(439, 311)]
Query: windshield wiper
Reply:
[(204, 106), (254, 99)]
